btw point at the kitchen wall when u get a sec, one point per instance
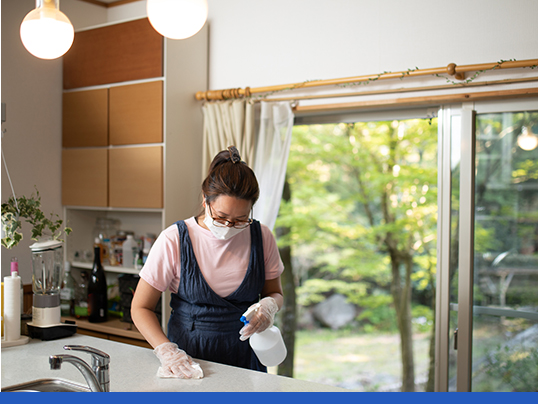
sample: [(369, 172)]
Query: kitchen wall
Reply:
[(257, 43), (32, 91)]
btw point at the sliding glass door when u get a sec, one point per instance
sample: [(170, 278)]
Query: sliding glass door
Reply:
[(488, 265)]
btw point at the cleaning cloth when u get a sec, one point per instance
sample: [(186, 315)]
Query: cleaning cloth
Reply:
[(197, 372), (176, 363)]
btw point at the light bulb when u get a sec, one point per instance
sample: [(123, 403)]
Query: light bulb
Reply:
[(46, 32), (527, 140), (177, 19)]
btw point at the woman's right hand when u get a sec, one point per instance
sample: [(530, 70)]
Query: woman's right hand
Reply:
[(176, 363)]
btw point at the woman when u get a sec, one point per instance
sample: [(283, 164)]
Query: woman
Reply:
[(217, 265)]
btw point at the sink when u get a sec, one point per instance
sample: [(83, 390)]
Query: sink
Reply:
[(47, 385)]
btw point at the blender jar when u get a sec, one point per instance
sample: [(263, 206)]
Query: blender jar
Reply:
[(47, 267)]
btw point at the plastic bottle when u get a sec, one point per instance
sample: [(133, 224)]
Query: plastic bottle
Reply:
[(140, 260), (81, 296), (12, 309), (97, 289), (15, 268), (268, 345), (67, 293), (129, 252)]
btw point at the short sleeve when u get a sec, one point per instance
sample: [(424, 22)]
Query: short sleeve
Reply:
[(273, 263)]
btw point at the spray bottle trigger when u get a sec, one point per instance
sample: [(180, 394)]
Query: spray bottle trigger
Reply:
[(248, 314)]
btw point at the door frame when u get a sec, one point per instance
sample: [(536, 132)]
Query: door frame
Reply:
[(446, 150)]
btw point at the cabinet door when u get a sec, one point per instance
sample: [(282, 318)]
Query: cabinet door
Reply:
[(84, 177), (136, 113), (136, 177), (85, 118), (131, 50)]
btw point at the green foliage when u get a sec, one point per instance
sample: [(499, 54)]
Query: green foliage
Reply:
[(29, 209), (316, 290), (422, 318), (521, 295), (355, 188), (515, 367), (379, 316)]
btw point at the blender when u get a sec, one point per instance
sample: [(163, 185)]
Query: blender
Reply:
[(47, 277)]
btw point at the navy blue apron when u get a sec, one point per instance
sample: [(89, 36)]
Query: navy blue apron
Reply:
[(205, 325)]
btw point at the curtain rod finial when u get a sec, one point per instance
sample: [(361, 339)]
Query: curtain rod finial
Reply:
[(451, 69)]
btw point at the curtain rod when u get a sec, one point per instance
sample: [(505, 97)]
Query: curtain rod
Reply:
[(421, 101), (458, 72)]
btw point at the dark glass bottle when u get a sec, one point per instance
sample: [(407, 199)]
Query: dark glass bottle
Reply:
[(97, 290)]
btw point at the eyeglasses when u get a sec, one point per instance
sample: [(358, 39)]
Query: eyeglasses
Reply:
[(238, 224)]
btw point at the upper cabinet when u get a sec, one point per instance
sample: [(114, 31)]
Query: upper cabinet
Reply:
[(112, 54), (85, 118), (119, 115), (136, 113), (132, 128)]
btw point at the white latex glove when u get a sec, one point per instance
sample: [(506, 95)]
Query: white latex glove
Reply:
[(176, 363), (261, 320)]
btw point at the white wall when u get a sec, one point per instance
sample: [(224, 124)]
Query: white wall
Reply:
[(256, 43)]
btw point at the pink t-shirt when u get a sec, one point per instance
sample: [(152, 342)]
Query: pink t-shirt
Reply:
[(223, 263)]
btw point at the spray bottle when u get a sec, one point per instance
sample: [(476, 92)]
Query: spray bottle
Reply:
[(268, 345)]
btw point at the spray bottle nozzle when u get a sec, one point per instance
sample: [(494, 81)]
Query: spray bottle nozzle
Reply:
[(247, 315)]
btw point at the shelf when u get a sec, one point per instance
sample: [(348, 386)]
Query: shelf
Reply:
[(112, 327), (115, 209), (107, 268)]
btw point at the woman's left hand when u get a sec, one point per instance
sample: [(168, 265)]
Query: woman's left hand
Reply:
[(262, 319)]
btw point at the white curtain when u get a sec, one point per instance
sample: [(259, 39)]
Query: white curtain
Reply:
[(228, 123), (233, 123), (272, 150)]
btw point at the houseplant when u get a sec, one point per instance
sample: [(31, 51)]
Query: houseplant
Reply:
[(29, 209)]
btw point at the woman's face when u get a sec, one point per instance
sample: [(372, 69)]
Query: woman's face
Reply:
[(229, 208)]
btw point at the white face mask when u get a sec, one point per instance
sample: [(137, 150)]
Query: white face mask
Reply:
[(222, 233)]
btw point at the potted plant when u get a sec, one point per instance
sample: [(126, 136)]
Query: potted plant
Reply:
[(29, 209)]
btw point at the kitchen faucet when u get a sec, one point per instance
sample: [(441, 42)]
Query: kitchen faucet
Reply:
[(97, 376)]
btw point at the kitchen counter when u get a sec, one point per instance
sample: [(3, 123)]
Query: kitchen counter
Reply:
[(133, 369)]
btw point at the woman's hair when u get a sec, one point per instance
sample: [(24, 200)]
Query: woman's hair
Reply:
[(230, 176)]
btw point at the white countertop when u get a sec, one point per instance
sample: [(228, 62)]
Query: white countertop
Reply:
[(133, 369)]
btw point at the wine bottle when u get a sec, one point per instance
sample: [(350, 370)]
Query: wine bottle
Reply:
[(97, 289)]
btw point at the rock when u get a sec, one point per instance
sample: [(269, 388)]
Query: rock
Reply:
[(335, 312)]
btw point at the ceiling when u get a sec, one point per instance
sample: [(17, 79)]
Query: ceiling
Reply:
[(109, 3)]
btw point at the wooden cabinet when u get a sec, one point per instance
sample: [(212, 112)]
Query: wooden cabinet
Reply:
[(117, 116), (136, 113), (113, 330), (85, 118), (84, 177), (115, 53), (146, 168), (136, 177), (120, 115), (121, 177)]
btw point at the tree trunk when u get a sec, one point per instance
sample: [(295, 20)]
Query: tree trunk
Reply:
[(401, 293), (430, 386), (288, 313)]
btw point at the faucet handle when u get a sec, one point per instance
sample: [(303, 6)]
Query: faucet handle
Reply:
[(98, 357)]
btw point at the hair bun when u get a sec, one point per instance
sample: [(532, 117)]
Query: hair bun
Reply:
[(234, 154)]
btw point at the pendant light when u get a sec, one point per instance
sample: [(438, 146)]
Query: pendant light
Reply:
[(46, 32), (177, 19)]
